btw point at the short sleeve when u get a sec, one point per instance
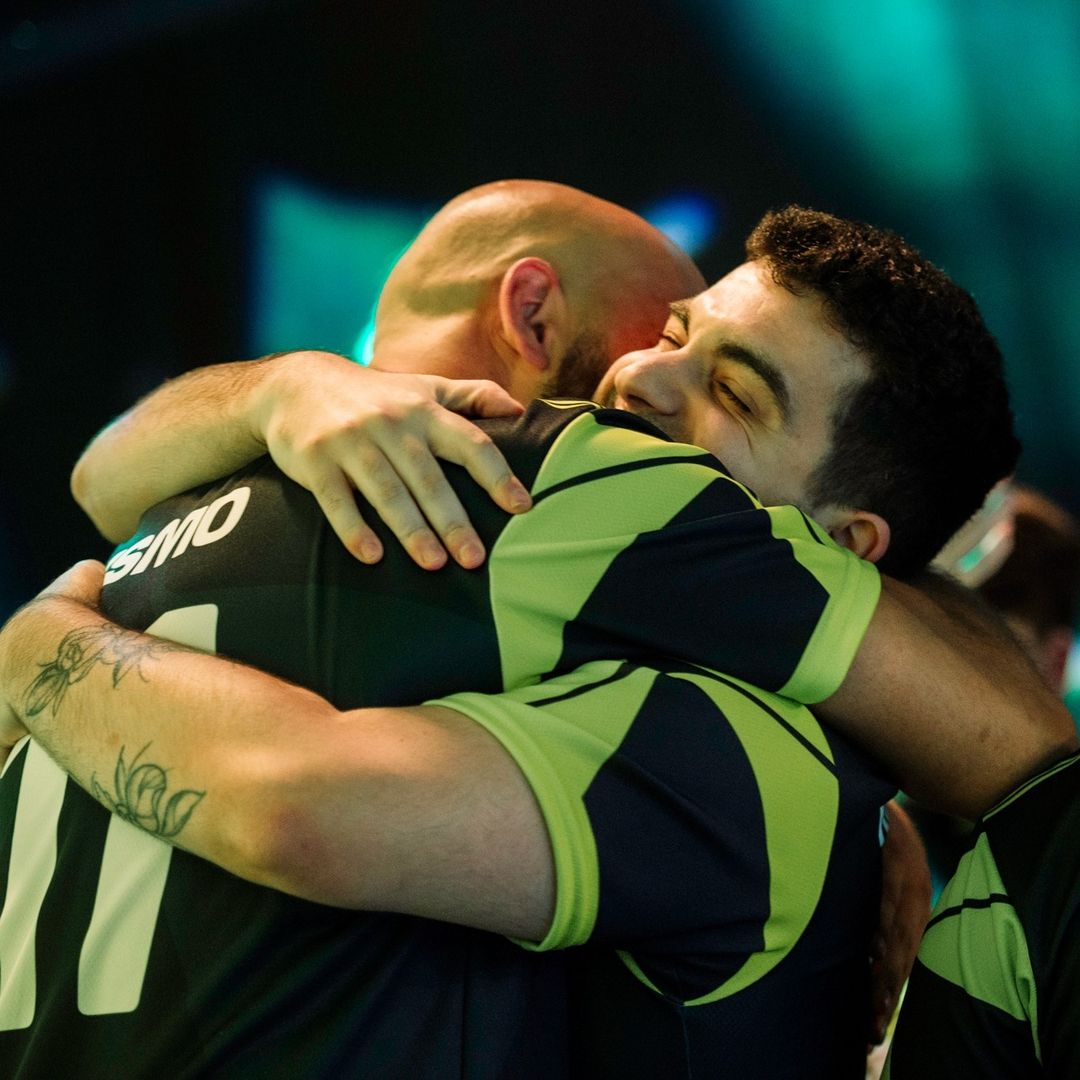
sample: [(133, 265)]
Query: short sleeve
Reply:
[(639, 547), (667, 796)]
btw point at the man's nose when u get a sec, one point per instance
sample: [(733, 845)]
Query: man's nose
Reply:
[(652, 382)]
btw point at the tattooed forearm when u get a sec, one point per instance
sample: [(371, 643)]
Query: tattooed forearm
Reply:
[(77, 655), (140, 795)]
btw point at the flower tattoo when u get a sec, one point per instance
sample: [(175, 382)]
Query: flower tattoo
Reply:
[(140, 792), (139, 797)]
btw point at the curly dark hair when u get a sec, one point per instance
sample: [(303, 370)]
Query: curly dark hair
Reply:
[(925, 437)]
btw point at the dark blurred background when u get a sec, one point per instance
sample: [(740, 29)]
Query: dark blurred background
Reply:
[(188, 182)]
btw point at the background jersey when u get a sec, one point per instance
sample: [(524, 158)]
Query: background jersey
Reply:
[(115, 948), (996, 986)]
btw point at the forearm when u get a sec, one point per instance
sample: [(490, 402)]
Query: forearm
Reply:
[(416, 810), (942, 695), (193, 429), (186, 745)]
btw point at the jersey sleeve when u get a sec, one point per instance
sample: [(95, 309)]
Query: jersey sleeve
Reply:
[(944, 1032), (996, 986), (667, 796), (971, 1002), (638, 547)]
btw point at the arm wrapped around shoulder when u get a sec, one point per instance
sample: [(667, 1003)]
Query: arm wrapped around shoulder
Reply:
[(942, 693)]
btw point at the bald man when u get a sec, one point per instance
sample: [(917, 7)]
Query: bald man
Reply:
[(535, 286), (168, 964), (478, 845)]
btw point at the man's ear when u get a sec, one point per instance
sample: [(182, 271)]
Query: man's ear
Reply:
[(860, 531), (532, 310)]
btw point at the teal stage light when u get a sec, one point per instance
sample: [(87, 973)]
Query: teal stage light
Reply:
[(956, 124), (319, 261)]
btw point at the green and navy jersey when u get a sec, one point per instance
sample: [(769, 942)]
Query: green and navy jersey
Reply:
[(635, 546), (638, 551), (996, 987), (717, 850)]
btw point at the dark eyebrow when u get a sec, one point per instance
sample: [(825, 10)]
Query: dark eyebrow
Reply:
[(680, 310), (766, 370)]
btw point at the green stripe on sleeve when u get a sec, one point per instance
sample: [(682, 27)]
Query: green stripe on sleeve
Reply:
[(546, 563), (799, 844), (586, 445), (976, 940), (560, 745), (853, 586)]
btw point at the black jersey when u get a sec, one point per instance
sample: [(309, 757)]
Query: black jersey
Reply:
[(996, 987), (121, 955)]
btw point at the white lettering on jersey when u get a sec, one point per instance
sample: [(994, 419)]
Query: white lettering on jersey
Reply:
[(173, 539), (196, 530)]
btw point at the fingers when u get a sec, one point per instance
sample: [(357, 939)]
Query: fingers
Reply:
[(385, 444), (407, 487), (386, 486), (437, 501), (81, 583), (415, 499), (455, 439), (335, 496)]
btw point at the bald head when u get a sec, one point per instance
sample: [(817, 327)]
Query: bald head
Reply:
[(612, 276)]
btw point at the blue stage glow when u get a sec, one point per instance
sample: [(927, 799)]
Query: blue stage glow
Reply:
[(689, 219)]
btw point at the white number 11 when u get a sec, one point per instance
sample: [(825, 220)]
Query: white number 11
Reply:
[(134, 867)]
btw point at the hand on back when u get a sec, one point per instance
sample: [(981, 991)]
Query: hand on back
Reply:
[(336, 427)]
